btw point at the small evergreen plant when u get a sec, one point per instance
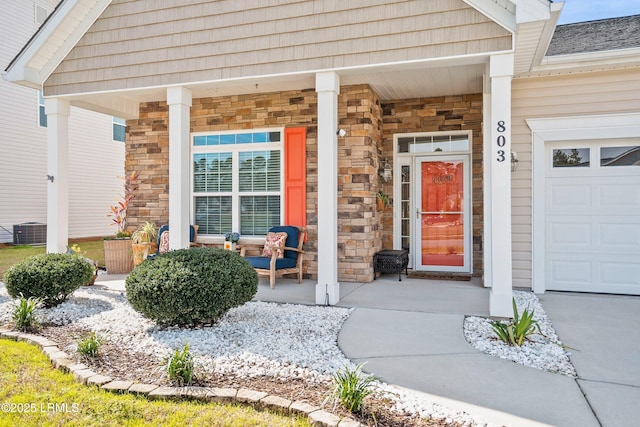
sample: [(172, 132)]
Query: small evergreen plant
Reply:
[(519, 329), (51, 277), (188, 287), (24, 313), (180, 366), (350, 388), (89, 345)]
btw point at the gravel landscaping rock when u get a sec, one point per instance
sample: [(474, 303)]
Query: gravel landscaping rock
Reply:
[(540, 352), (285, 343)]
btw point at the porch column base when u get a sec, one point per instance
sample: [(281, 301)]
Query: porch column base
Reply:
[(500, 304), (327, 294)]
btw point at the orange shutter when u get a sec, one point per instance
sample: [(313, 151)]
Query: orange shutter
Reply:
[(295, 176)]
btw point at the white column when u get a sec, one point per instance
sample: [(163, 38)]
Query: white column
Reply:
[(57, 111), (499, 186), (328, 288), (179, 101)]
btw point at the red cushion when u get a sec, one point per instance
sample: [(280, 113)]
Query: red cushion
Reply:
[(274, 241)]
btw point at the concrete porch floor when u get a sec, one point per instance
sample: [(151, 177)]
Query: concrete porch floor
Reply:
[(410, 334)]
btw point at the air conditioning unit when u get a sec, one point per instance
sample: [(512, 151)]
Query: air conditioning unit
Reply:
[(30, 233)]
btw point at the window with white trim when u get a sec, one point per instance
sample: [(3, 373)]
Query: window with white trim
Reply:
[(119, 129), (42, 116), (237, 182)]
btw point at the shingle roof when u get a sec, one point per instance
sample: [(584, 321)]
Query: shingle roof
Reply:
[(595, 36)]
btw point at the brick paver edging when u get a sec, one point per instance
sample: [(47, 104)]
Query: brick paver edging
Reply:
[(257, 399)]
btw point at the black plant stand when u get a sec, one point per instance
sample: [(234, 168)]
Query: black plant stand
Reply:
[(391, 261)]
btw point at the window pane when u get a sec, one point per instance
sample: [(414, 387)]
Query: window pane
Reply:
[(261, 137), (258, 214), (260, 171), (274, 136), (43, 118), (119, 132), (403, 144), (200, 140), (571, 157), (227, 139), (212, 172), (213, 214), (244, 138), (620, 156)]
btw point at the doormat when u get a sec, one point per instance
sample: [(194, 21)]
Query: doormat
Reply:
[(430, 275)]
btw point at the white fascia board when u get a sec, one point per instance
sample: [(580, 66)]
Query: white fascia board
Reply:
[(577, 60), (43, 54), (495, 12), (547, 32), (532, 10)]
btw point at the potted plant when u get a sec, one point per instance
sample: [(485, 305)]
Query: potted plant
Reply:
[(117, 252), (144, 242), (230, 240), (382, 200)]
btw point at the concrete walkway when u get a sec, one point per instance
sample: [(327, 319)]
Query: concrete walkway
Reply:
[(409, 334)]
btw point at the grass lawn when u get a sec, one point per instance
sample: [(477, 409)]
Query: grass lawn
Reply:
[(28, 382), (9, 255)]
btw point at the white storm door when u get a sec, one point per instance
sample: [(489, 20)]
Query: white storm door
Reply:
[(443, 225)]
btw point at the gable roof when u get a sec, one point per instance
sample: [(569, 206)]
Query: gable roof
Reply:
[(596, 36), (53, 41)]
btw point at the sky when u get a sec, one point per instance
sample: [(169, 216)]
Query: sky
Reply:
[(589, 10)]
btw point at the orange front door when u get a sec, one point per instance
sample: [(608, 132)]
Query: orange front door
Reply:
[(443, 236)]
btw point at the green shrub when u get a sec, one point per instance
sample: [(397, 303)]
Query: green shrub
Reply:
[(89, 345), (350, 388), (24, 313), (519, 329), (51, 277), (193, 286), (180, 366)]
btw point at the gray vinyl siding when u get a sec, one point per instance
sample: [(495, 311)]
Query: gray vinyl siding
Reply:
[(97, 160), (556, 96), (150, 43)]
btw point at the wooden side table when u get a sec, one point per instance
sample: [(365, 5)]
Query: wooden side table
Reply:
[(391, 261)]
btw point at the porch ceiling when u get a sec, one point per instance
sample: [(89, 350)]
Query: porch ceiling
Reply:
[(398, 82)]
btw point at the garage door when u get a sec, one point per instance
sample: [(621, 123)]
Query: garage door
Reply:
[(592, 241)]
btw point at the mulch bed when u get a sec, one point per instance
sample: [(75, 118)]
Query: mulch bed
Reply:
[(139, 367)]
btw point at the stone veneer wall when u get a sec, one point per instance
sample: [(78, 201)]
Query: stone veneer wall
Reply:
[(359, 227), (445, 113), (359, 113)]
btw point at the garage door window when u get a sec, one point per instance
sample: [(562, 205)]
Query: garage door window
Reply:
[(620, 156), (571, 157)]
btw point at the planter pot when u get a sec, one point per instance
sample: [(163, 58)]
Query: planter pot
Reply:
[(229, 246), (117, 256), (380, 204), (141, 251)]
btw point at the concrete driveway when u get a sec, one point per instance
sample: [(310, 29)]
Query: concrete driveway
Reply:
[(410, 334)]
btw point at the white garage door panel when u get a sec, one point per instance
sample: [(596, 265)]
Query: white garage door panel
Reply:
[(570, 273), (567, 233), (594, 273), (623, 235), (619, 275), (568, 196), (592, 229)]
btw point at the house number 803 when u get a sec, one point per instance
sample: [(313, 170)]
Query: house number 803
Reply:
[(501, 141)]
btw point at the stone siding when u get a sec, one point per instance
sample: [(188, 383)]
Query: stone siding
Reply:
[(444, 113), (148, 151), (370, 124)]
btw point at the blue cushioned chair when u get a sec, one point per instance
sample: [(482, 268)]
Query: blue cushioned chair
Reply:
[(291, 263), (193, 234)]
